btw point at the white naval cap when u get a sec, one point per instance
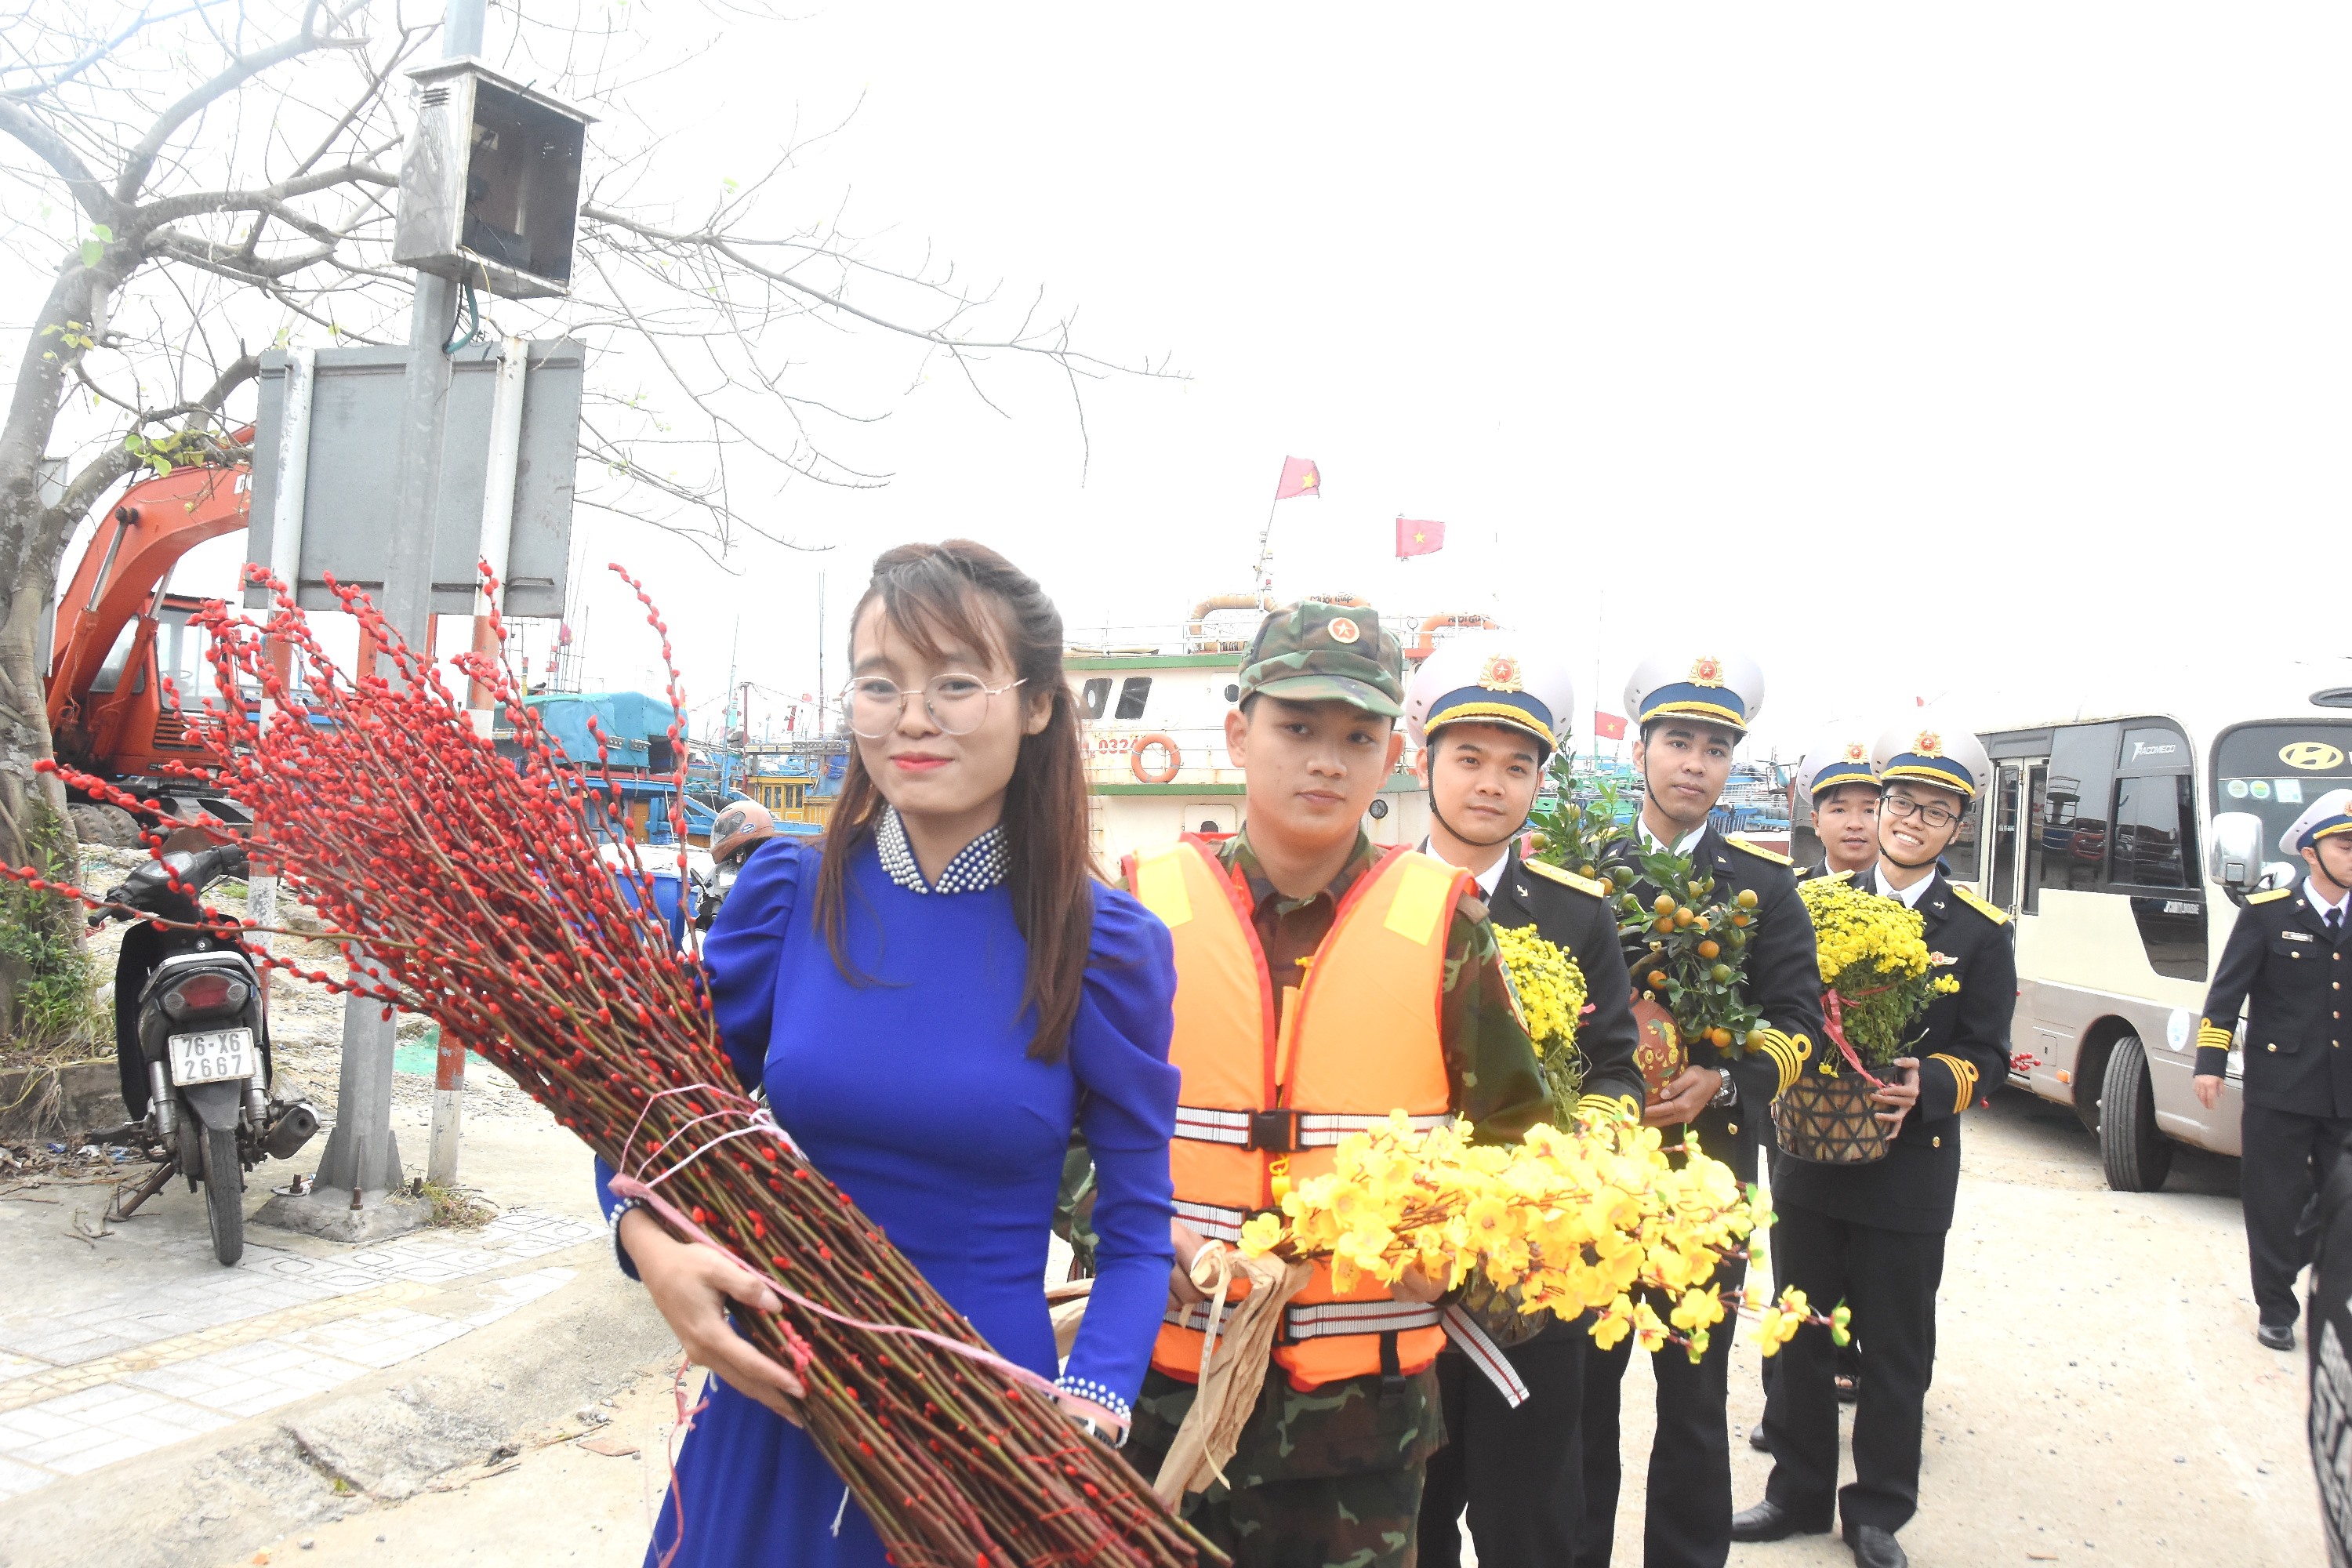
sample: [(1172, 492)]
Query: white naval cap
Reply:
[(1840, 757), (2331, 813), (1934, 749), (1726, 690), (1493, 678)]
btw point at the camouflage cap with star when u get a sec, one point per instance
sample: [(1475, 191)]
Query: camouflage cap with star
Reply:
[(1319, 651)]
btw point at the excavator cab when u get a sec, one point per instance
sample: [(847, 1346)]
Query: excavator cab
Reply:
[(119, 635)]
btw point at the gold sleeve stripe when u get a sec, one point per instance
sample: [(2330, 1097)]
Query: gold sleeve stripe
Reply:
[(1620, 1107), (2212, 1037), (1964, 1074), (1788, 1054)]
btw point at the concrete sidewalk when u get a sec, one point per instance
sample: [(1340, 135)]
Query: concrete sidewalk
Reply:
[(158, 1408)]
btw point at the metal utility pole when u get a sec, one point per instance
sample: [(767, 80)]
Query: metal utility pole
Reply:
[(821, 692), (362, 1164)]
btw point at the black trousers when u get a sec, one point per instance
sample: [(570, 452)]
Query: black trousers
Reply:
[(1889, 1278), (1517, 1471), (2287, 1157), (1689, 1522)]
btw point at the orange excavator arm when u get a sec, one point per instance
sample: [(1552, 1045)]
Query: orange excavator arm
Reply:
[(122, 577)]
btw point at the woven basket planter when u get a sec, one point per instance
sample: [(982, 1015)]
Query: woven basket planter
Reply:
[(1829, 1120)]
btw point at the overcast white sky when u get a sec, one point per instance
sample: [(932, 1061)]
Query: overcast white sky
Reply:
[(1916, 351)]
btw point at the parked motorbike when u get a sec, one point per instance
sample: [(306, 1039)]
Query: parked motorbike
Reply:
[(192, 1040), (739, 828)]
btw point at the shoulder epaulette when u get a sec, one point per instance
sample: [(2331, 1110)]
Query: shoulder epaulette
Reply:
[(1992, 913), (1550, 872), (1761, 852), (2271, 897)]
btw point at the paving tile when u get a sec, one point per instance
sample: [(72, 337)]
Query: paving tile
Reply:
[(16, 1479), (35, 1424), (114, 1451), (15, 1366), (52, 1452), (380, 1339), (107, 1402), (168, 1421), (185, 1380), (520, 1291)]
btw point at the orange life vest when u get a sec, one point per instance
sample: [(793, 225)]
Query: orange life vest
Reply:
[(1269, 1090)]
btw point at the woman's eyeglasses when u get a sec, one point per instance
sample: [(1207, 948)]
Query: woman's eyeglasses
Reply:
[(958, 704), (1928, 812)]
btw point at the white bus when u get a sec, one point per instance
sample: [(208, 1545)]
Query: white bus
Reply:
[(2107, 837)]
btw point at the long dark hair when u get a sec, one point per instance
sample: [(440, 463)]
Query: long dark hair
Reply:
[(966, 593)]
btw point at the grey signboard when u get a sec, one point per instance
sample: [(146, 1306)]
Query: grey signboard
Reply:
[(353, 489)]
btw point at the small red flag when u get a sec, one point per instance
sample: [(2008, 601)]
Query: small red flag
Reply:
[(1299, 478), (1608, 726), (1418, 538)]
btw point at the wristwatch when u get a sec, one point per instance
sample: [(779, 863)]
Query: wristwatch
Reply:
[(1727, 1093)]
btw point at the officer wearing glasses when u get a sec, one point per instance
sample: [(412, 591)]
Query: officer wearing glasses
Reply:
[(1873, 1235)]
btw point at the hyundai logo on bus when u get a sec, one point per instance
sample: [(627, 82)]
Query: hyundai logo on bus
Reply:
[(2311, 756)]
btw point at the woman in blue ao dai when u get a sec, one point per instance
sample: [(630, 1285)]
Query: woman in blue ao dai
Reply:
[(932, 1004)]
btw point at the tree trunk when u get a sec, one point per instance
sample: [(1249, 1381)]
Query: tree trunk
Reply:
[(43, 930)]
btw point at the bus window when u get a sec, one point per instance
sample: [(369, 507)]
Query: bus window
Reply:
[(1133, 694), (2275, 770), (1966, 856), (2071, 831), (2153, 829), (2155, 848), (1096, 693)]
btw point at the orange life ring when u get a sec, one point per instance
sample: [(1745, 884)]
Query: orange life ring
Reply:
[(1164, 776), (1424, 644)]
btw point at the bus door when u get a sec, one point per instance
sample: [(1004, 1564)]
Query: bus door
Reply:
[(2018, 787), (2020, 808)]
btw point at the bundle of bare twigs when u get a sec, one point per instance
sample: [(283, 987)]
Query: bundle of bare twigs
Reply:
[(472, 878)]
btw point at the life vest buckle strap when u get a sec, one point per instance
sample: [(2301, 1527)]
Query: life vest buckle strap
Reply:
[(1273, 1131)]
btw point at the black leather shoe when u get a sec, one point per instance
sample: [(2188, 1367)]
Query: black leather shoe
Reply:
[(2275, 1336), (1873, 1548), (1767, 1521), (1756, 1439)]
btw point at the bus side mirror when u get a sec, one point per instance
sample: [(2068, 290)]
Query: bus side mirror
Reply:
[(2236, 861)]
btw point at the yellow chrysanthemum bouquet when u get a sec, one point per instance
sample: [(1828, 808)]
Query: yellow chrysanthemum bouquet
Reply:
[(1550, 987), (1596, 1217), (1874, 965)]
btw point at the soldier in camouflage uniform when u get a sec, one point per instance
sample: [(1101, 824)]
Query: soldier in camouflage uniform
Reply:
[(1332, 1474)]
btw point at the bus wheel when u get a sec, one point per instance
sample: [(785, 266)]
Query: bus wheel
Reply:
[(2136, 1154)]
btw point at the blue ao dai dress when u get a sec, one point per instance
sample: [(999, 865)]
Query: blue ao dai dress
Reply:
[(916, 1094)]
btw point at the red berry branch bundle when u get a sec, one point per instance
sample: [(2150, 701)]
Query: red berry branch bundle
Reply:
[(471, 880)]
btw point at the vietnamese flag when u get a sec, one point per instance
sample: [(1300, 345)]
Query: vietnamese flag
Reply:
[(1607, 726), (1299, 478), (1418, 538)]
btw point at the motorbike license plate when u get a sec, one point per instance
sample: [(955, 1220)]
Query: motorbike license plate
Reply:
[(213, 1056)]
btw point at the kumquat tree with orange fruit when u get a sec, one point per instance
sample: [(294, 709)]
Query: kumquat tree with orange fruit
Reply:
[(1687, 950)]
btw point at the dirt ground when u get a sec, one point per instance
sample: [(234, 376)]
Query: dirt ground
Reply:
[(2099, 1397)]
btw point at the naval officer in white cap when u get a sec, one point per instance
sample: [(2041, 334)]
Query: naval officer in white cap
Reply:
[(1693, 705), (1484, 713), (2286, 967), (1873, 1235), (1840, 783)]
